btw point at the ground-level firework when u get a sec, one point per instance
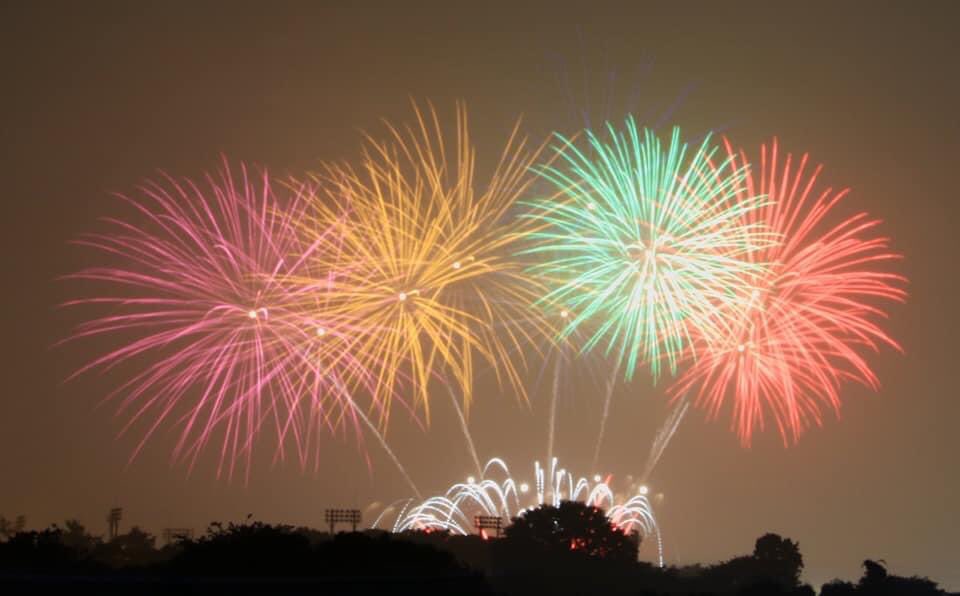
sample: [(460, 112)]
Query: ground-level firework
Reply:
[(497, 494)]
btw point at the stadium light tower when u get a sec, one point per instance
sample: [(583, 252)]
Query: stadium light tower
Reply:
[(347, 516), (113, 522), (488, 522)]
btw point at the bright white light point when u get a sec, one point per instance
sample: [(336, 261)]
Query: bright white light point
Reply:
[(524, 487), (321, 331), (741, 348), (252, 314), (643, 489), (456, 264), (591, 206), (402, 296), (597, 478), (564, 314), (471, 479)]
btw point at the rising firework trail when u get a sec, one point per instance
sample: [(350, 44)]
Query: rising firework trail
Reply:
[(801, 327), (558, 358), (465, 428), (663, 437), (386, 447), (552, 420), (611, 383)]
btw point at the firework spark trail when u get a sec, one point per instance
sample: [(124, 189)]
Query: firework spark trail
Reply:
[(607, 398), (552, 420), (386, 447), (802, 326), (390, 508), (466, 431), (637, 514), (646, 242), (663, 437), (198, 289)]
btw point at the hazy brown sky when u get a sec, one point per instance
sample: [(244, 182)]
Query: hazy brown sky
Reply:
[(97, 96)]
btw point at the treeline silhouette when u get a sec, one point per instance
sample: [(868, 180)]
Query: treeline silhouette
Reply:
[(570, 549)]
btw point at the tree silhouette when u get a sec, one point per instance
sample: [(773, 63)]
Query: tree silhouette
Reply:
[(874, 574), (838, 588), (6, 528), (779, 558), (574, 527), (42, 552), (564, 550), (876, 581), (74, 535), (136, 548)]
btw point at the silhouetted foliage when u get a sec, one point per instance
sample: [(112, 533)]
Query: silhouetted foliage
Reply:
[(570, 549), (779, 559), (259, 549), (136, 548), (39, 552), (75, 536), (470, 551), (244, 550), (8, 528), (773, 568), (877, 581), (573, 526), (838, 588)]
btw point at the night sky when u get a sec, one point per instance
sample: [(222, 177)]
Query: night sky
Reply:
[(98, 96)]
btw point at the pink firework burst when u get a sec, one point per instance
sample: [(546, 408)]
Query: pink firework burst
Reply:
[(196, 296), (804, 329)]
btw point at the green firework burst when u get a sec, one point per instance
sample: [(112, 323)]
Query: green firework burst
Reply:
[(644, 242)]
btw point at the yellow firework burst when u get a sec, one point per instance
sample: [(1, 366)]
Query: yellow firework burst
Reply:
[(416, 259)]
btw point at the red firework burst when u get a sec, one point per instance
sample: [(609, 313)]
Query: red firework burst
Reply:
[(805, 327)]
